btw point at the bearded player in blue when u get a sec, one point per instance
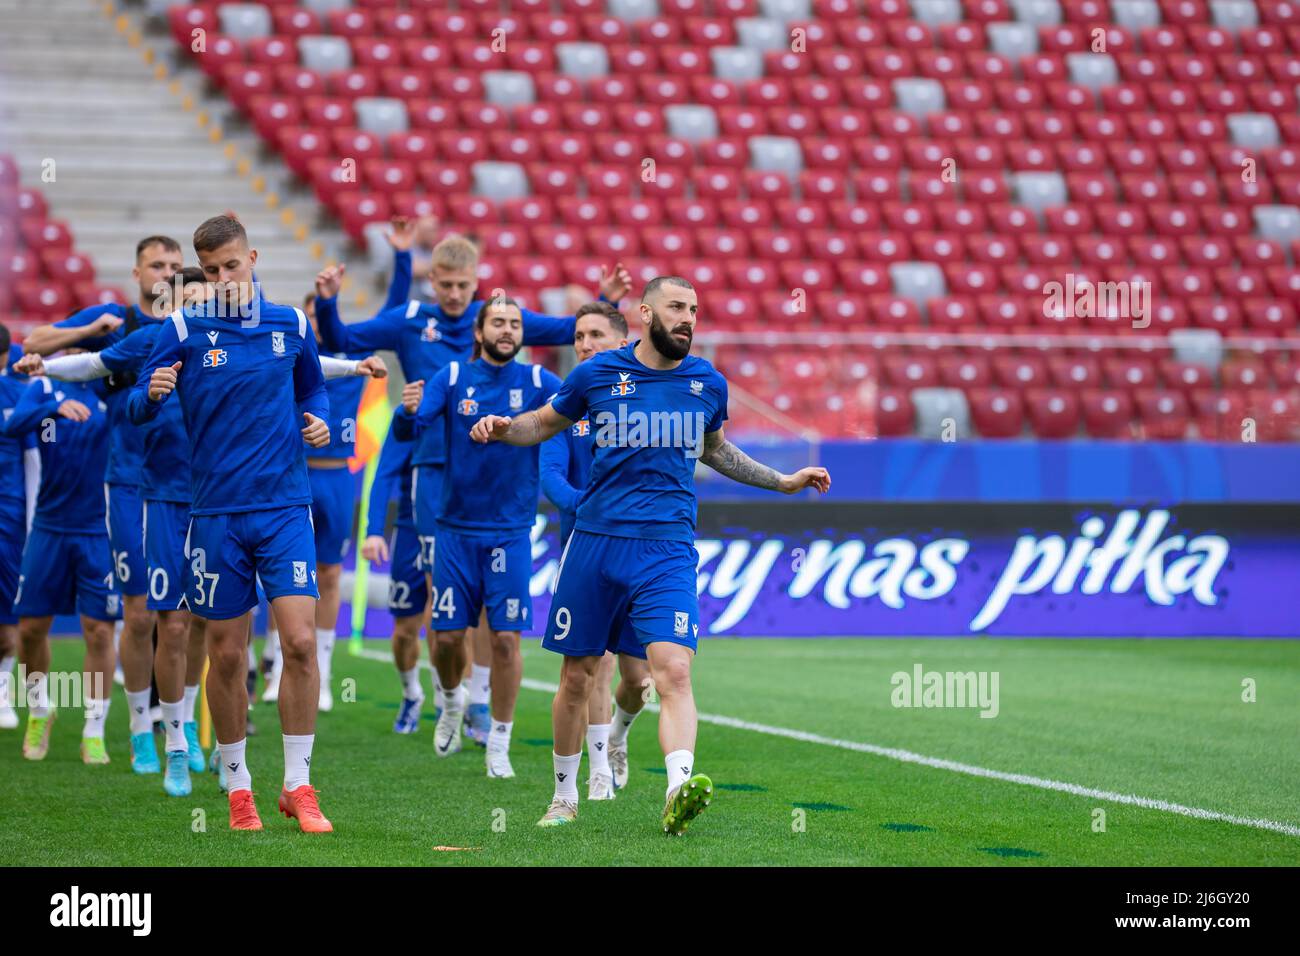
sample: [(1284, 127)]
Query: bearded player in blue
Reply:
[(251, 392), (655, 410), (489, 499)]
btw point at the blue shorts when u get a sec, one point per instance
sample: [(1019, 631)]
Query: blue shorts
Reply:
[(408, 588), (471, 572), (229, 553), (13, 532), (426, 495), (165, 525), (126, 537), (67, 574), (607, 584), (333, 497)]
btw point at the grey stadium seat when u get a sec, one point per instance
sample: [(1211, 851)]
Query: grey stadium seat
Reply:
[(1197, 346), (1012, 40), (244, 21), (500, 181), (1278, 222), (1039, 190), (786, 10), (324, 6), (1234, 15), (737, 63), (759, 33), (691, 123), (508, 87), (937, 12), (582, 60), (324, 54), (936, 408), (1039, 13), (381, 115), (634, 9), (777, 154), (1093, 70), (918, 281), (1252, 130), (918, 96), (1135, 14)]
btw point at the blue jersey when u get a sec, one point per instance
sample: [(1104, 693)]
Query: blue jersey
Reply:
[(243, 387), (648, 429), (73, 455), (91, 313), (13, 500), (344, 396), (392, 473), (492, 489), (164, 473), (566, 466), (426, 341)]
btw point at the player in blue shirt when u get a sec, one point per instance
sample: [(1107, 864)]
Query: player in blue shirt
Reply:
[(20, 475), (158, 260), (426, 336), (566, 466), (66, 567), (408, 589), (655, 410), (248, 377), (483, 558)]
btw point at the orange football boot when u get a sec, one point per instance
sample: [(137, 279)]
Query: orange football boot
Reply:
[(300, 804), (243, 811)]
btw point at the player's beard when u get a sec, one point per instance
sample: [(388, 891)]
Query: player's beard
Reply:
[(663, 341), (497, 355)]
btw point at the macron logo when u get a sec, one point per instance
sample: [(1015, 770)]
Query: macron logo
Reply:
[(212, 337), (75, 909)]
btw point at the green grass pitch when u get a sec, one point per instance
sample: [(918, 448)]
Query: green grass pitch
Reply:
[(1160, 719)]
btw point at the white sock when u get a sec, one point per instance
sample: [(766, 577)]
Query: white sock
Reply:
[(680, 763), (452, 700), (6, 681), (297, 760), (190, 697), (38, 695), (252, 659), (138, 701), (237, 775), (480, 684), (271, 649), (566, 777), (324, 652), (411, 688), (621, 725), (598, 748), (174, 725), (96, 714), (499, 735), (117, 640), (437, 683)]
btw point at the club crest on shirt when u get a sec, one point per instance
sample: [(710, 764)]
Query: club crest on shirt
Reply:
[(697, 388), (681, 621), (114, 602), (512, 609), (214, 358), (300, 573), (516, 399), (277, 343), (430, 331), (467, 406), (582, 428), (624, 387)]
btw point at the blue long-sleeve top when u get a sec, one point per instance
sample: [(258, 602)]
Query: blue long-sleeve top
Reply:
[(392, 474), (566, 466)]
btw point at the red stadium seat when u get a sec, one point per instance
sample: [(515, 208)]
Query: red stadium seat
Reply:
[(1107, 414), (996, 413), (1052, 412)]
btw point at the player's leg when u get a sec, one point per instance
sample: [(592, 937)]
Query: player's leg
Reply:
[(196, 656), (569, 723), (126, 521), (509, 608), (629, 700), (34, 652), (8, 655), (408, 603), (272, 663), (478, 718), (600, 780), (47, 586), (455, 602), (327, 615), (12, 533), (169, 668), (332, 491), (99, 608), (97, 676)]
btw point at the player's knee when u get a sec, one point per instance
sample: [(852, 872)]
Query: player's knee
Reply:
[(31, 632), (98, 634), (579, 675), (449, 639), (297, 647), (504, 643), (136, 614), (173, 632), (673, 677)]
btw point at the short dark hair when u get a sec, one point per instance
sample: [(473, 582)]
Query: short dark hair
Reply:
[(192, 274), (494, 301), (4, 340), (654, 284), (217, 231), (167, 242), (616, 320)]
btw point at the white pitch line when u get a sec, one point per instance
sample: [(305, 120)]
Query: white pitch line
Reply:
[(938, 763)]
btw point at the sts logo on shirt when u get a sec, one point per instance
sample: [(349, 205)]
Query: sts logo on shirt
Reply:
[(467, 405), (582, 428), (213, 358), (624, 387)]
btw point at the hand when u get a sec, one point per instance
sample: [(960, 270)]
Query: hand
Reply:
[(402, 236), (317, 433), (329, 280), (412, 395), (372, 367), (490, 428), (163, 381), (74, 411), (102, 326), (374, 549), (614, 285), (818, 478), (30, 364)]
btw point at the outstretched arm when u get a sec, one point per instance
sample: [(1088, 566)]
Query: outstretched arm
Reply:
[(726, 459), (530, 428)]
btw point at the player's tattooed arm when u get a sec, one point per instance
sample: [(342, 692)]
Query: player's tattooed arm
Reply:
[(726, 459), (530, 428)]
